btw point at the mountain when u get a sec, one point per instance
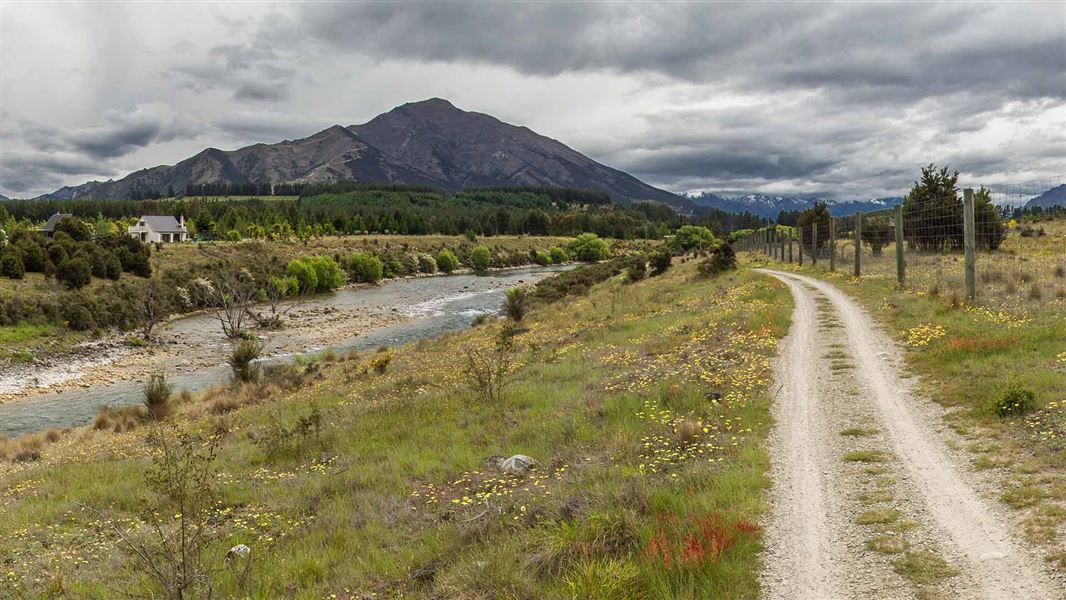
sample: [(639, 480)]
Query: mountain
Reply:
[(3, 197), (1056, 196), (769, 206), (424, 143)]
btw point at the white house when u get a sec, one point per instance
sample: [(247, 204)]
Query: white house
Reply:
[(153, 229)]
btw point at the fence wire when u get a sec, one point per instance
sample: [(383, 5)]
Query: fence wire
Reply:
[(1019, 250)]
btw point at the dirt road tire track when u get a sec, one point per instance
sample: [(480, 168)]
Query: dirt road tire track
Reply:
[(966, 525)]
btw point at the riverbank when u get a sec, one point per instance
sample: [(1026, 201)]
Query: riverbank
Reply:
[(176, 349)]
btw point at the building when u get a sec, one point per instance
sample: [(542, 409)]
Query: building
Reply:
[(154, 229), (49, 227)]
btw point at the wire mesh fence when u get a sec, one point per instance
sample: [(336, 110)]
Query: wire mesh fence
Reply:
[(984, 246)]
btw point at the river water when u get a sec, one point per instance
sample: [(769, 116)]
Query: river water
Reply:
[(435, 305)]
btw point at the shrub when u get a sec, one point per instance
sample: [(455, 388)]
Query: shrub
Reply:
[(427, 264), (636, 268), (487, 371), (380, 363), (446, 261), (722, 259), (517, 304), (157, 396), (576, 282), (78, 317), (542, 258), (692, 238), (661, 261), (588, 247), (480, 258), (242, 361), (365, 267), (11, 265), (1015, 400), (327, 272), (558, 255), (75, 273), (279, 441), (34, 257), (305, 275)]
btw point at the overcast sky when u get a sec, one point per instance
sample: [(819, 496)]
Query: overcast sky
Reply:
[(838, 99)]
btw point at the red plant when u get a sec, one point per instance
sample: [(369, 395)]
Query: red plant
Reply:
[(704, 538), (747, 527)]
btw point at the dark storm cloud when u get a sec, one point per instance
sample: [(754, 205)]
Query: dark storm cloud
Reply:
[(27, 171), (869, 52), (124, 133)]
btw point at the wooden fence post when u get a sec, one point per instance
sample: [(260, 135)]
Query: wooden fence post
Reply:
[(799, 230), (814, 245), (858, 244), (832, 244), (790, 235), (901, 275), (782, 250), (970, 243)]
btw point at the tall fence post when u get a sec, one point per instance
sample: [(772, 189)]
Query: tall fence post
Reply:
[(970, 243), (781, 234), (799, 231), (858, 244), (901, 275), (790, 235), (814, 245), (832, 244)]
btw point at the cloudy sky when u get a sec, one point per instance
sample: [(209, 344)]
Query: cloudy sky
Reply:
[(846, 100)]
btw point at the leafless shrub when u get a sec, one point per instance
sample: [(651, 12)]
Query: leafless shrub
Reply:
[(229, 296), (487, 370)]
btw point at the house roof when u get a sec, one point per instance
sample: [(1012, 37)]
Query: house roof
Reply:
[(50, 225), (162, 224)]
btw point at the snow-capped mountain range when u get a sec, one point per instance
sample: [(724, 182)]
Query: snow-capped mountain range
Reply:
[(769, 206)]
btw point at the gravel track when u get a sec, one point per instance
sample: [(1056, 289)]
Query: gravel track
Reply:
[(814, 549)]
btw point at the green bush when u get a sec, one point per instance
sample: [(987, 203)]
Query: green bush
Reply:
[(558, 255), (636, 268), (304, 273), (1015, 400), (722, 259), (661, 261), (427, 264), (576, 282), (327, 272), (233, 235), (74, 273), (11, 265), (78, 317), (542, 258), (480, 258), (692, 238), (365, 267), (446, 261), (588, 247)]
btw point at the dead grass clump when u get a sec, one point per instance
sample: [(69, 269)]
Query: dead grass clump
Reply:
[(1060, 293), (223, 403), (1011, 288), (1025, 278), (1060, 271), (118, 420), (688, 432), (52, 435), (1035, 293), (934, 290)]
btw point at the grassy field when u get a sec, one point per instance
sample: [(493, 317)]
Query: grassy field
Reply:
[(645, 406), (980, 360)]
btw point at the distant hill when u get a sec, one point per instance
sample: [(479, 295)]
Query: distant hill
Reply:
[(430, 143), (1056, 196), (769, 206), (3, 197)]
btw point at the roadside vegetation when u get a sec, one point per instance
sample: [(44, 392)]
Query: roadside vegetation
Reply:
[(605, 441)]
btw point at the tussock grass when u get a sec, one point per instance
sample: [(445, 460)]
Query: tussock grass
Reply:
[(877, 516), (922, 567), (865, 456), (859, 431)]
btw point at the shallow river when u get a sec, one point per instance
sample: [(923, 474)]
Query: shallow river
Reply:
[(435, 304)]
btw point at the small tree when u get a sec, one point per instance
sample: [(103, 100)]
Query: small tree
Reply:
[(276, 291), (157, 396), (692, 238), (242, 361), (722, 259), (229, 297), (878, 232), (75, 228), (588, 247), (517, 304), (558, 255), (154, 302), (75, 273), (661, 261), (487, 371), (815, 217), (480, 258), (304, 273), (11, 265)]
